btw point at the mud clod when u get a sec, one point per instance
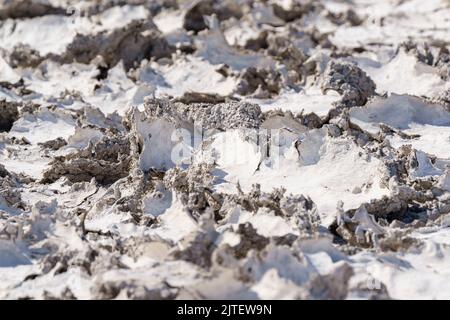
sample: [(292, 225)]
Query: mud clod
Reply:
[(107, 161), (220, 116), (350, 81), (8, 115)]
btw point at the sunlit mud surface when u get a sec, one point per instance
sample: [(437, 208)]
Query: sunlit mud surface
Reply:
[(214, 149)]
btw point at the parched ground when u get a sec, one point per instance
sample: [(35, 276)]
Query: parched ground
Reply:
[(224, 149)]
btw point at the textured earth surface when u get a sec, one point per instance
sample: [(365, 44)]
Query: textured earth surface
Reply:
[(212, 149)]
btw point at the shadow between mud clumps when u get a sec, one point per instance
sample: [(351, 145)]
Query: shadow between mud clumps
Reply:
[(9, 113), (107, 161)]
